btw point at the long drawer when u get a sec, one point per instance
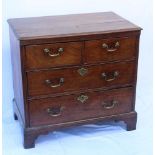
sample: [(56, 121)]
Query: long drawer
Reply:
[(80, 106), (80, 78)]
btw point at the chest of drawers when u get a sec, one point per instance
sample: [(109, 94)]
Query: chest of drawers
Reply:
[(73, 69)]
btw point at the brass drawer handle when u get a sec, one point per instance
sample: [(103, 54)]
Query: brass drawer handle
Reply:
[(111, 49), (82, 98), (110, 77), (109, 105), (49, 52), (49, 82), (54, 111)]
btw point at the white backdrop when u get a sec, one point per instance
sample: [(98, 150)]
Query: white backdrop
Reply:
[(137, 11)]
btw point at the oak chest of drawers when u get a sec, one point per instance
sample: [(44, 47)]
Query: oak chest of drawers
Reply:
[(73, 69)]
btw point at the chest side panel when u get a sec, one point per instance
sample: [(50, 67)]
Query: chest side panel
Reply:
[(18, 83)]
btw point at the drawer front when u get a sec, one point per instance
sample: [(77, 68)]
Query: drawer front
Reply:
[(81, 106), (110, 49), (75, 79), (51, 55)]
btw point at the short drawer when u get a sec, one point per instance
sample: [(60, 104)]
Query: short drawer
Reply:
[(51, 55), (70, 108), (80, 78), (110, 49)]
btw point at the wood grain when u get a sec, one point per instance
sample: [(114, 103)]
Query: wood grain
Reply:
[(17, 77), (94, 51), (74, 81), (81, 36), (69, 25), (75, 110), (37, 58)]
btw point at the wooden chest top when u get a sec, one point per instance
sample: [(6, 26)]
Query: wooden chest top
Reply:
[(69, 25)]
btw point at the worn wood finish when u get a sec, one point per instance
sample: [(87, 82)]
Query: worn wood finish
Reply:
[(73, 81), (78, 99), (36, 57), (69, 25)]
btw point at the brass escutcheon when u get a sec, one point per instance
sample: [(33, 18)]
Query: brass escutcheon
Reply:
[(82, 98), (82, 71)]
